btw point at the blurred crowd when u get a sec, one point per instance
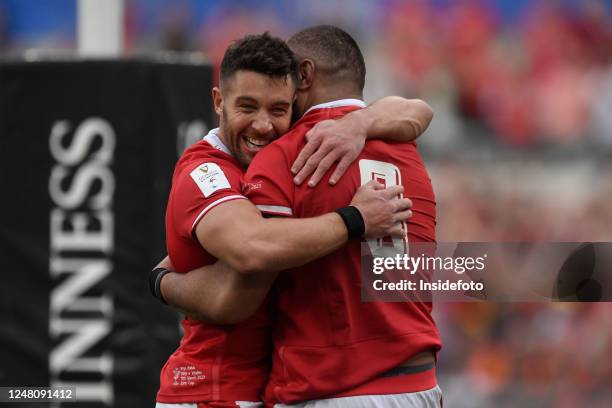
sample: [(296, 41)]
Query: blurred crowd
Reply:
[(537, 80), (518, 354), (528, 73), (546, 82), (529, 77), (525, 355), (523, 200)]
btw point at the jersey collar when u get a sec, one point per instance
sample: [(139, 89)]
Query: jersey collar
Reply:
[(215, 141), (336, 104)]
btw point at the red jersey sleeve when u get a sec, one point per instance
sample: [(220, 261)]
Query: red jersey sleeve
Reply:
[(197, 188), (268, 182)]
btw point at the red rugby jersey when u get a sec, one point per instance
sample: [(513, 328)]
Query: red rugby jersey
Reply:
[(326, 341), (212, 363)]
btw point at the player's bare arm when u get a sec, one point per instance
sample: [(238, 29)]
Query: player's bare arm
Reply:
[(393, 118), (215, 293), (236, 232), (341, 141)]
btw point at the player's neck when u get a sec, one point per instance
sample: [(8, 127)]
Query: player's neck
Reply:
[(221, 135), (329, 94)]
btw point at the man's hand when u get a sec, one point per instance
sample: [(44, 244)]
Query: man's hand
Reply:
[(382, 209), (391, 118), (328, 142)]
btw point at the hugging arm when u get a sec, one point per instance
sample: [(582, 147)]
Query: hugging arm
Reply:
[(391, 118), (252, 249)]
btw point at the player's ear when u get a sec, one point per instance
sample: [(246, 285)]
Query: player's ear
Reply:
[(218, 100), (306, 72)]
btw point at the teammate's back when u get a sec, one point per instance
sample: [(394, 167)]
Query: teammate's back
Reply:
[(327, 341)]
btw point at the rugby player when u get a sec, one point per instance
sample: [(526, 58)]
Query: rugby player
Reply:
[(329, 347), (209, 219)]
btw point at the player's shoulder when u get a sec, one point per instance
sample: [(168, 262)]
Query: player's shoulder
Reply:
[(201, 153), (290, 143), (294, 137), (282, 149), (206, 169), (389, 147)]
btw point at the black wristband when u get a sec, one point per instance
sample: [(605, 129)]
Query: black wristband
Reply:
[(353, 220), (155, 277)]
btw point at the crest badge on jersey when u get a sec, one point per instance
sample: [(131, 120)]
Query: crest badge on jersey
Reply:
[(210, 178)]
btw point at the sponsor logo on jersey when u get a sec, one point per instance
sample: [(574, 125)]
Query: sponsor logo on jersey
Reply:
[(209, 178), (247, 187)]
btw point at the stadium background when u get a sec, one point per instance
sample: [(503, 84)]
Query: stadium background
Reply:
[(519, 149)]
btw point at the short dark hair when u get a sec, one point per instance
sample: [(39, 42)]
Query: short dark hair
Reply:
[(261, 53), (335, 49)]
